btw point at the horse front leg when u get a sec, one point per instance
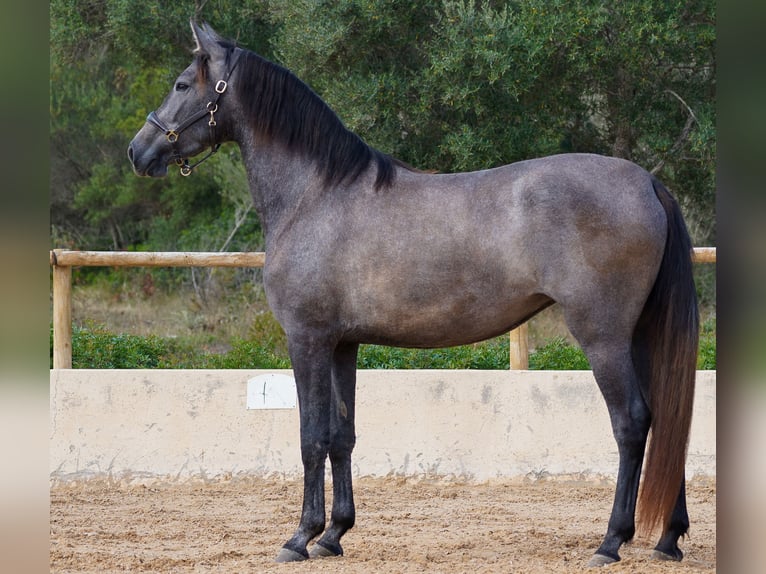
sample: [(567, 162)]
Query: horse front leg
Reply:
[(342, 440), (312, 370)]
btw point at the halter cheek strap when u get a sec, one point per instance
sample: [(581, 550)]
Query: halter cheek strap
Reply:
[(172, 134)]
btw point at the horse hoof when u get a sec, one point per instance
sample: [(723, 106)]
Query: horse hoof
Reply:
[(319, 551), (599, 560), (287, 555), (665, 557)]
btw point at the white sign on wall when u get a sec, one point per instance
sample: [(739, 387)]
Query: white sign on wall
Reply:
[(271, 391)]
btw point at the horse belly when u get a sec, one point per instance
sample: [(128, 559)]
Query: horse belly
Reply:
[(438, 313)]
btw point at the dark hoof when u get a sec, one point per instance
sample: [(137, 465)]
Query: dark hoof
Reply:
[(319, 551), (599, 560), (287, 555), (664, 556)]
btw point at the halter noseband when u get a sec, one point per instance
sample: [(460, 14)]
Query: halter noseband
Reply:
[(211, 108)]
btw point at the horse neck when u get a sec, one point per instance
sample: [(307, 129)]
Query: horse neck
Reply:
[(279, 183)]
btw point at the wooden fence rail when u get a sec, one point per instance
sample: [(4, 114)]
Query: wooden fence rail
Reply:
[(63, 260)]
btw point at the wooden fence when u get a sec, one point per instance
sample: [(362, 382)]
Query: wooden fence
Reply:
[(63, 261)]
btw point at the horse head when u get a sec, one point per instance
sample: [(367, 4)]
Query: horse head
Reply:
[(188, 120)]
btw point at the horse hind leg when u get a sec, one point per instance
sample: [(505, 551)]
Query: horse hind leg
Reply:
[(630, 418), (610, 356), (667, 548), (342, 440)]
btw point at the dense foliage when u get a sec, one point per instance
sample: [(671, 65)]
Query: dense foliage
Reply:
[(445, 85), (95, 347)]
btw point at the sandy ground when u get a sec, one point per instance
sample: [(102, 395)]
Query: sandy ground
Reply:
[(403, 526)]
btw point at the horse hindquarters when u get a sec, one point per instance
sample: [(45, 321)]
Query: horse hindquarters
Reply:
[(638, 324)]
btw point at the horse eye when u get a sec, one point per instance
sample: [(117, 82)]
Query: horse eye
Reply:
[(181, 87)]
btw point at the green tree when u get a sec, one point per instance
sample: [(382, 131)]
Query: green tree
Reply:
[(460, 85), (443, 84), (105, 77)]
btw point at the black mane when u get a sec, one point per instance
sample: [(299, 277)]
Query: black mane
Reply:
[(283, 108)]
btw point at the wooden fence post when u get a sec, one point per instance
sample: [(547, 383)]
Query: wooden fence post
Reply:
[(519, 347), (62, 315)]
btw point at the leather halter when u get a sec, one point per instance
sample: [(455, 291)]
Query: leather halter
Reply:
[(172, 134)]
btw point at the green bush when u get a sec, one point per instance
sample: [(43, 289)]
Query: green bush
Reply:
[(94, 347), (247, 355), (491, 354), (558, 355)]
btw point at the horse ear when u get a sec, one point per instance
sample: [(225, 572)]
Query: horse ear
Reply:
[(208, 41)]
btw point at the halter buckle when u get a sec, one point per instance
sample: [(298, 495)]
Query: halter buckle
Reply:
[(221, 86)]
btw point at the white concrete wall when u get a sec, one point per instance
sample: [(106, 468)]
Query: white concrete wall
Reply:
[(477, 425)]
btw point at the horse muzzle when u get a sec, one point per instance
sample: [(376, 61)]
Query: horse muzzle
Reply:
[(146, 164)]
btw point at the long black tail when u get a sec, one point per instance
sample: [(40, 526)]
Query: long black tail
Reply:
[(669, 333)]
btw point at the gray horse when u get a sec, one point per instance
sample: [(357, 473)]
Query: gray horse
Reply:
[(361, 248)]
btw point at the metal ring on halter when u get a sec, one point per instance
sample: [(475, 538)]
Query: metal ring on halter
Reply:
[(172, 136)]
